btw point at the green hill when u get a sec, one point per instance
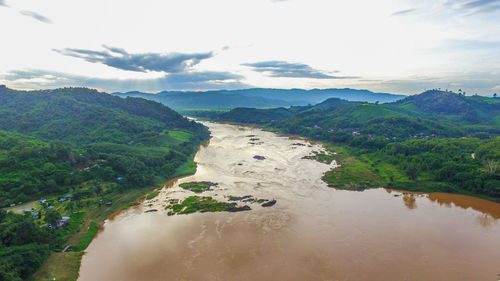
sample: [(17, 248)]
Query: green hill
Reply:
[(452, 106), (430, 114), (135, 138), (88, 153)]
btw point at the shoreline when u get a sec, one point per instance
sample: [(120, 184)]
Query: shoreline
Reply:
[(325, 145), (132, 198)]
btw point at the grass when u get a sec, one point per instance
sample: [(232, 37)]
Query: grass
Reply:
[(194, 204), (62, 266), (356, 175), (152, 195), (87, 238), (325, 158), (188, 168), (197, 187), (356, 172), (180, 135)]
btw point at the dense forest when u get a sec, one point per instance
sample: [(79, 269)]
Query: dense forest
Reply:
[(76, 149), (435, 141)]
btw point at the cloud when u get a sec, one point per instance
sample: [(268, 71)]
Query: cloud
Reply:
[(287, 69), (120, 59), (36, 16), (404, 12), (43, 79), (462, 7), (479, 4), (2, 3), (474, 6)]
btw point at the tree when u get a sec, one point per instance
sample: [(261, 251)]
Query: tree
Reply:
[(495, 95), (52, 217), (70, 206), (491, 166), (412, 171)]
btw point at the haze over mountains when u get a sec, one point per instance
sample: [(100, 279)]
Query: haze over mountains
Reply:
[(259, 97)]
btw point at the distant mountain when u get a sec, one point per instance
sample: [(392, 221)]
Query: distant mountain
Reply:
[(432, 113), (314, 96), (259, 98)]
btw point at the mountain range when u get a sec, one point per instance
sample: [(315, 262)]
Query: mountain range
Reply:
[(258, 97)]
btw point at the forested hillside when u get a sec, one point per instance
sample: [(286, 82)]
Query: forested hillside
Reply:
[(80, 149), (435, 141)]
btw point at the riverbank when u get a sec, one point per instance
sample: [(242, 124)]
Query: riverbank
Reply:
[(361, 168), (312, 232), (359, 171), (66, 265)]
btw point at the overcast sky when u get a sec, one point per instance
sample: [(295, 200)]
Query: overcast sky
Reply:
[(402, 46)]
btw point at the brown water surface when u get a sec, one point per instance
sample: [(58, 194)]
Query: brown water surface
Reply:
[(312, 233)]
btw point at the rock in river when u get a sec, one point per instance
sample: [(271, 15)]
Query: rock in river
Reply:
[(269, 204)]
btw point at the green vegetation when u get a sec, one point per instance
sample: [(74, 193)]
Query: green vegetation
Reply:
[(194, 204), (152, 195), (88, 154), (55, 140), (469, 166), (436, 141), (63, 266), (197, 187), (23, 245), (87, 238)]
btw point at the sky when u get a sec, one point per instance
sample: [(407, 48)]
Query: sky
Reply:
[(401, 47)]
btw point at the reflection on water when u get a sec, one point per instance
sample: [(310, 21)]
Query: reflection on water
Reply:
[(465, 202), (312, 233), (409, 200)]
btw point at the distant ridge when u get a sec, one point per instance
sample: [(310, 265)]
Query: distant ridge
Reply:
[(259, 97), (431, 113)]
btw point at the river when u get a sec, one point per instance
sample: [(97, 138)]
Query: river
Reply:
[(312, 233)]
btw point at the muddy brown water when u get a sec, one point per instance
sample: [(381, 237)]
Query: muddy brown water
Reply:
[(312, 233)]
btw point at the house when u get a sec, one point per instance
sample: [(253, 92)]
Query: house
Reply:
[(62, 200), (62, 222), (356, 133), (68, 196)]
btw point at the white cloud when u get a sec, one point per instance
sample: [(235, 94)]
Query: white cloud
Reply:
[(358, 38)]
